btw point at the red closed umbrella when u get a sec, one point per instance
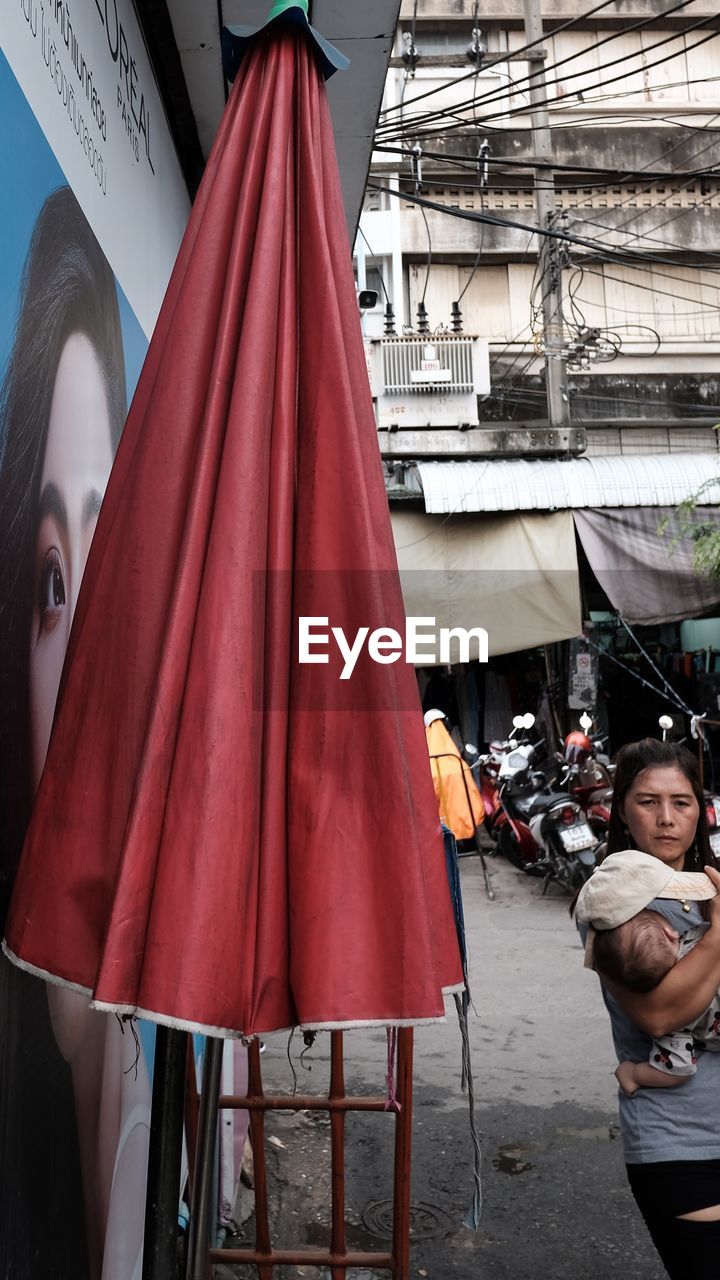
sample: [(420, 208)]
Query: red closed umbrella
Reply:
[(226, 838)]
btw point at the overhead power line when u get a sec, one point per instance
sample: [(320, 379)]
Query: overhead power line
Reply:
[(420, 129), (466, 185), (648, 288), (532, 44), (704, 265), (648, 187), (556, 297), (472, 215), (500, 94), (462, 124), (614, 175), (575, 121)]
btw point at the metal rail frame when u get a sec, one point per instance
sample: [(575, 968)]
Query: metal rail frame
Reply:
[(337, 1258)]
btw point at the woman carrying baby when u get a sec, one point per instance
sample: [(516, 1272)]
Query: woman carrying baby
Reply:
[(671, 1136)]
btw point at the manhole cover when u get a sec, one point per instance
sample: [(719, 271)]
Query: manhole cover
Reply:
[(427, 1221)]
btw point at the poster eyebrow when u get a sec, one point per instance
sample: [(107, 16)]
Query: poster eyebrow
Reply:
[(91, 505), (52, 504)]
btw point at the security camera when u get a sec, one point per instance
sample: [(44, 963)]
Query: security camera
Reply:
[(367, 299)]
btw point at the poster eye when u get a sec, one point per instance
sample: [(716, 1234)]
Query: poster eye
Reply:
[(51, 590)]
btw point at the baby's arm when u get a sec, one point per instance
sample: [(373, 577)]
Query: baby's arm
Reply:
[(672, 1060), (640, 1075)]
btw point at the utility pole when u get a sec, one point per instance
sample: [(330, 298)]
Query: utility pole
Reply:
[(550, 254)]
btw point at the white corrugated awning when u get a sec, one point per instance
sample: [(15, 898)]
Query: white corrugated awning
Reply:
[(520, 484)]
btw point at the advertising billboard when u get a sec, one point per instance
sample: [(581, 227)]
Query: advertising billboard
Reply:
[(92, 210)]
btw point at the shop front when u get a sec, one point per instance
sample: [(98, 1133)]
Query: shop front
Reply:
[(589, 597)]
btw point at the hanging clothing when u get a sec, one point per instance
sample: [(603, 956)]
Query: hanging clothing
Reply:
[(468, 701), (498, 707)]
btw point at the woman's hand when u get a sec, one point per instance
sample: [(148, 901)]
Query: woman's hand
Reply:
[(712, 906)]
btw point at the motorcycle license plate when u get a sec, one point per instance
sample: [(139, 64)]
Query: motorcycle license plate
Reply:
[(715, 843), (579, 837), (716, 807)]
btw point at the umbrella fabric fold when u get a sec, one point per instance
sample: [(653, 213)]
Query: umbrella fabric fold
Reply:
[(226, 838)]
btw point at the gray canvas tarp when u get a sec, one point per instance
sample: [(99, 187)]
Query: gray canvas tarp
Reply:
[(646, 579)]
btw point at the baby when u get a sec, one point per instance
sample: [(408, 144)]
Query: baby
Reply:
[(633, 945), (638, 954)]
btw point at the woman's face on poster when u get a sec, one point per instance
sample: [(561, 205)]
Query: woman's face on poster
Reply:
[(75, 469)]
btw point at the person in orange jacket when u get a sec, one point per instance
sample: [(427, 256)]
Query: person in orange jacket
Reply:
[(459, 803)]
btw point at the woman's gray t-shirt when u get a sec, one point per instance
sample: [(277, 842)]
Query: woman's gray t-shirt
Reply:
[(680, 1123)]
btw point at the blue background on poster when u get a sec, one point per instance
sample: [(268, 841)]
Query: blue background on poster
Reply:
[(24, 152)]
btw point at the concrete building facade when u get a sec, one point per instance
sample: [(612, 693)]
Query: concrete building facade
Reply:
[(632, 97)]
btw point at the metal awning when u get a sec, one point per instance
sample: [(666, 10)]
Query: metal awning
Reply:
[(636, 480)]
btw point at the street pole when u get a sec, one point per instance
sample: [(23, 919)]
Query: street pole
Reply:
[(550, 257), (165, 1156)]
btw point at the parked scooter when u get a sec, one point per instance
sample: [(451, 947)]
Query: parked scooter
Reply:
[(586, 775), (539, 826), (485, 770)]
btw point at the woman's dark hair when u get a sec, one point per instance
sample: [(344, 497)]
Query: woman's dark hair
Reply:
[(649, 753), (67, 287)]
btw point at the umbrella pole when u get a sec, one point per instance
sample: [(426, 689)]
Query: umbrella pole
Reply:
[(403, 1141), (165, 1156), (203, 1179)]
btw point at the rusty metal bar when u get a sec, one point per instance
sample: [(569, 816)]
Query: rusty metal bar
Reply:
[(403, 1143), (299, 1102), (257, 1137), (337, 1258), (338, 1244), (304, 1257)]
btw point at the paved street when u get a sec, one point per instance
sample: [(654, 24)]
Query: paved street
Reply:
[(556, 1203)]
